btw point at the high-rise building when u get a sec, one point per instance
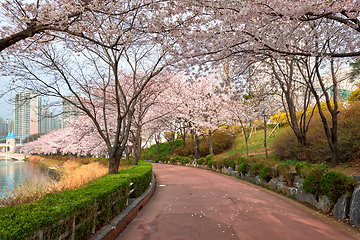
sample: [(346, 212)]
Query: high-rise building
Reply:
[(28, 113), (49, 121), (6, 126), (69, 112)]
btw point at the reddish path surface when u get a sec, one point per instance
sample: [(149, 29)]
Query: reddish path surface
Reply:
[(192, 203)]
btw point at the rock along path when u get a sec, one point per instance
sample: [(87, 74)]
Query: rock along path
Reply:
[(191, 203)]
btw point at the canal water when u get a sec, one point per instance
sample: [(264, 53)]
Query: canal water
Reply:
[(14, 172)]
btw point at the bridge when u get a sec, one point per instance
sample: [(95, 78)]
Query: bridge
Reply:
[(18, 156)]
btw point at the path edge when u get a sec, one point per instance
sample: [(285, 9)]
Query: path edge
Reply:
[(119, 223)]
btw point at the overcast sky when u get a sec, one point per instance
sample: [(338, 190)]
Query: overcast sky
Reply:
[(6, 102)]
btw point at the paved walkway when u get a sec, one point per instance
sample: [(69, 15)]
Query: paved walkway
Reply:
[(192, 203)]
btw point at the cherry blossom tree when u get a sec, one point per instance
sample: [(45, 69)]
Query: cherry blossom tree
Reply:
[(92, 76), (32, 22), (203, 107)]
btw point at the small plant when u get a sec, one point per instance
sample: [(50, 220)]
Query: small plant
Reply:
[(241, 160), (225, 163), (243, 167), (265, 174), (311, 183), (166, 159), (335, 184), (291, 196), (210, 163), (231, 163), (200, 161), (184, 160), (209, 157), (283, 168), (257, 167), (191, 157), (303, 168)]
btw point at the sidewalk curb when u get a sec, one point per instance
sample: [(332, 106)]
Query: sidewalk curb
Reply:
[(119, 223)]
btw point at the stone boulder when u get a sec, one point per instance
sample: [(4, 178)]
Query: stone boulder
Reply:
[(354, 212), (230, 170), (279, 185), (323, 203), (235, 174), (298, 181), (247, 176), (257, 180), (341, 208), (273, 183), (310, 198)]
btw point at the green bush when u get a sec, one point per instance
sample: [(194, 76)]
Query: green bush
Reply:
[(54, 213), (225, 162), (184, 160), (257, 167), (302, 168), (219, 162), (231, 163), (335, 184), (166, 159), (209, 157), (283, 168), (265, 174), (241, 160), (200, 161), (311, 182), (210, 163), (191, 157), (243, 167)]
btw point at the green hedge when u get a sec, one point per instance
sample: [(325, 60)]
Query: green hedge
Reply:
[(54, 213)]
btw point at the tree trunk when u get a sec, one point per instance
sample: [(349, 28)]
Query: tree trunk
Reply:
[(127, 154), (137, 147), (157, 148), (332, 133), (193, 141), (172, 149), (114, 162), (211, 151), (265, 145)]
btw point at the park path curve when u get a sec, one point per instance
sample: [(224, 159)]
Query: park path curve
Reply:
[(191, 203)]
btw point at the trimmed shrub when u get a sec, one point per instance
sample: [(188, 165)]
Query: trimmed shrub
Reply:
[(184, 160), (209, 157), (166, 159), (210, 163), (200, 161), (265, 174), (335, 184), (302, 168), (191, 157), (225, 163), (54, 213), (219, 162), (243, 167), (241, 160), (257, 167), (283, 168), (231, 163), (311, 182)]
